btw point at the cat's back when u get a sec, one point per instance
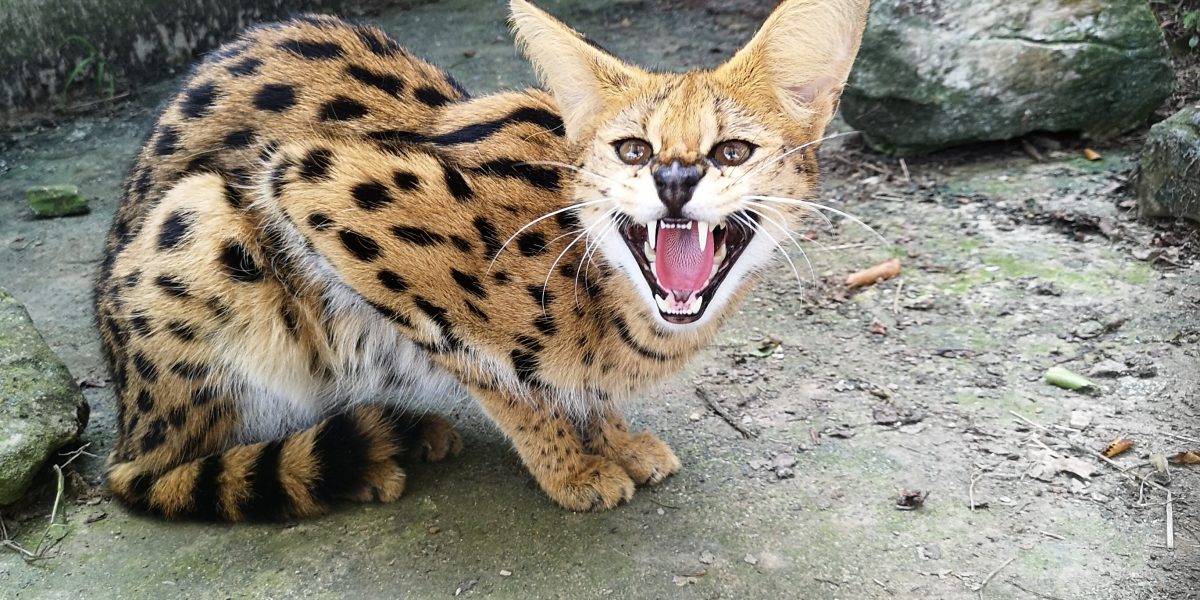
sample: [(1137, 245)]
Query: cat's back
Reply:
[(311, 76)]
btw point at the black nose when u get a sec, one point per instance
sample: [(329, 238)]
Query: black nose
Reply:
[(676, 183)]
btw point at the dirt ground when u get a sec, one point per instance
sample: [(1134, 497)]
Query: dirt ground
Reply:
[(929, 384)]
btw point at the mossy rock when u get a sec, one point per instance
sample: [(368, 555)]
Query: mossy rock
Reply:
[(49, 201), (1169, 171), (41, 407), (937, 74)]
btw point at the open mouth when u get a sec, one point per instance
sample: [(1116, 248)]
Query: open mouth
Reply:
[(685, 261)]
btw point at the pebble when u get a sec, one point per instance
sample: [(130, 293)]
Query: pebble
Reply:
[(751, 559), (1080, 419), (707, 558), (1108, 368), (505, 573)]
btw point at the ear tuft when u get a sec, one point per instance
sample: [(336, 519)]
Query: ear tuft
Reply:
[(804, 53), (579, 76)]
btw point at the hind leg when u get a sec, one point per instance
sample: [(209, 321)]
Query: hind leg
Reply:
[(434, 439)]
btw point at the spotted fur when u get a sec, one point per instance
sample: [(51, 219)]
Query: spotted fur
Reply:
[(324, 238)]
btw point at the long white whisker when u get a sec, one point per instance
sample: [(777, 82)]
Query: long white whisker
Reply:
[(538, 220), (763, 230), (814, 205), (590, 248), (582, 235), (793, 151), (550, 163), (791, 237)]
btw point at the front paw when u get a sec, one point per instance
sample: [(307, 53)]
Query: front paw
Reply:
[(647, 459), (597, 483), (437, 439)]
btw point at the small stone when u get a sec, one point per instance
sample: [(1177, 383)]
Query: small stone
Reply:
[(435, 530), (1080, 419), (661, 512), (783, 460), (1089, 329), (1108, 368), (707, 558), (751, 559), (785, 472), (930, 552), (694, 416), (505, 573), (50, 201)]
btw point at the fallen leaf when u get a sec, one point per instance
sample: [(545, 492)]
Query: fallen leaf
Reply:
[(1068, 380), (1092, 155), (1117, 447), (878, 328), (1191, 457), (877, 273), (768, 347)]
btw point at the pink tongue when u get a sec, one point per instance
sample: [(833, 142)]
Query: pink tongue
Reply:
[(681, 265)]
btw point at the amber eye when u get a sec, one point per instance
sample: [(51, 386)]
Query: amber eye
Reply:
[(633, 151), (732, 153)]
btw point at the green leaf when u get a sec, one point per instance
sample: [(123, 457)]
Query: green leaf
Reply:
[(80, 67), (1195, 41), (1189, 20)]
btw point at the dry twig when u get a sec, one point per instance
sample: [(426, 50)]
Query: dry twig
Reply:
[(992, 575), (724, 414)]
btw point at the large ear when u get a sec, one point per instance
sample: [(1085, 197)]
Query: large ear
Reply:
[(579, 75), (803, 54)]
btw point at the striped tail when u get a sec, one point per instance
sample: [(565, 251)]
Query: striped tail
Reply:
[(352, 456)]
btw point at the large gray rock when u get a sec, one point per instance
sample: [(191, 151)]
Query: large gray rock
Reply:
[(937, 73), (41, 407), (1169, 179)]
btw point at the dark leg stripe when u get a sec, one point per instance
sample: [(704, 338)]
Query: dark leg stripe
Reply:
[(341, 455), (206, 495), (267, 498)]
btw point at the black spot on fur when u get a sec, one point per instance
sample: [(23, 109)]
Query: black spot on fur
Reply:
[(525, 364), (501, 277), (389, 84), (184, 331), (417, 236), (391, 315), (155, 435), (489, 237), (480, 131), (470, 283), (316, 164), (171, 285), (362, 247), (540, 294), (245, 67), (203, 396), (430, 97), (406, 181), (623, 332), (145, 368), (342, 108), (371, 195), (319, 221), (568, 271), (460, 243), (145, 401), (476, 311), (311, 50), (438, 315), (239, 139), (132, 279), (140, 324), (233, 195), (190, 370), (174, 229), (458, 186), (393, 282), (167, 142), (377, 43), (198, 101), (177, 417), (275, 97), (395, 139), (545, 324), (239, 263), (568, 220), (539, 177), (531, 244)]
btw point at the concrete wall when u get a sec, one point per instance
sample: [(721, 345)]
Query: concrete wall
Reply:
[(140, 40)]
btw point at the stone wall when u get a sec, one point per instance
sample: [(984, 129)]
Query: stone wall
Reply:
[(140, 40)]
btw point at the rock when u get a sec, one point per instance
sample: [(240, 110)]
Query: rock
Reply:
[(937, 73), (49, 201), (1168, 182), (1108, 368), (1080, 419), (41, 407), (1089, 329)]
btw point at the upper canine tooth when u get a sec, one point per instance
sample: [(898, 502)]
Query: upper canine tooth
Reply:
[(702, 231), (652, 230)]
